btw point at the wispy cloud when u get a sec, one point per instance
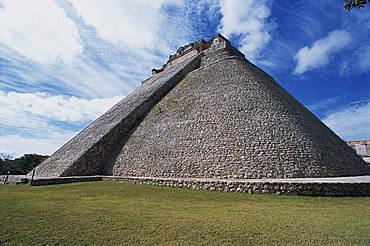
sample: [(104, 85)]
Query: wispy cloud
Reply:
[(350, 122), (357, 63), (83, 79), (324, 105), (247, 21), (319, 54), (364, 59)]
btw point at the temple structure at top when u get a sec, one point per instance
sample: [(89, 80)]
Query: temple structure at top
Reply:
[(189, 50)]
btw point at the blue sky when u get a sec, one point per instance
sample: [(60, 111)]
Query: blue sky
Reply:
[(63, 63)]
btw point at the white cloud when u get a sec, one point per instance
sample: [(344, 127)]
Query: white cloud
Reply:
[(39, 30), (351, 122), (247, 20), (134, 23), (34, 123), (320, 52), (60, 108)]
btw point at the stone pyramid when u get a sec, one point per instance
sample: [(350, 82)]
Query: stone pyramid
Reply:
[(207, 113)]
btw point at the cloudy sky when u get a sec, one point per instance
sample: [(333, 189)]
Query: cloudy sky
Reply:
[(63, 63)]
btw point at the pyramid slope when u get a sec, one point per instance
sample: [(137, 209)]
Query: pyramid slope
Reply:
[(231, 120), (87, 152)]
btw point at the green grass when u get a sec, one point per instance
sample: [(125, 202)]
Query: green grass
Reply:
[(106, 213)]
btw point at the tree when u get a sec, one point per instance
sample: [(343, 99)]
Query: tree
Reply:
[(350, 4)]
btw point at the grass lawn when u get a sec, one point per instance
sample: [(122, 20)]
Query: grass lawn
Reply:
[(109, 213)]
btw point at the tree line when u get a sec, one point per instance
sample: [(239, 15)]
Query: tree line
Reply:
[(21, 165)]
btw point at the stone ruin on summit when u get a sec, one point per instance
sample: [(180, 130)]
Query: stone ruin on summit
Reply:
[(207, 113)]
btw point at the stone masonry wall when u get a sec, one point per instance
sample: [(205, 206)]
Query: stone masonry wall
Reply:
[(318, 187), (228, 119), (266, 187)]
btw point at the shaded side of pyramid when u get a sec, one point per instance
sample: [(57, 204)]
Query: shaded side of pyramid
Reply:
[(208, 113)]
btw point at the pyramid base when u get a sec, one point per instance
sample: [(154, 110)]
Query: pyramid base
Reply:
[(338, 186), (331, 186)]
